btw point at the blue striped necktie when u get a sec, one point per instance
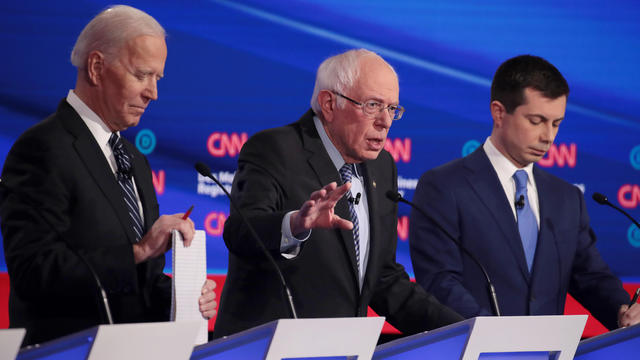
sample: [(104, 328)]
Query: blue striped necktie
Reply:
[(527, 224), (123, 160), (346, 172)]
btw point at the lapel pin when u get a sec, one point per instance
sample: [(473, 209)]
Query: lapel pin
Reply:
[(374, 184)]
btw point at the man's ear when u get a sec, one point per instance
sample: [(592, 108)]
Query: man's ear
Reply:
[(498, 111), (95, 67), (327, 104)]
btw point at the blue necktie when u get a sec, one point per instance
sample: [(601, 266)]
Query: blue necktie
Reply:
[(346, 172), (527, 224), (123, 160)]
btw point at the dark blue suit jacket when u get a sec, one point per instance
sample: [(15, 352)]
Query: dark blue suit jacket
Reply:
[(466, 197)]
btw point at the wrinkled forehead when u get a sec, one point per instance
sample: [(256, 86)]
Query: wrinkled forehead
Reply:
[(376, 79)]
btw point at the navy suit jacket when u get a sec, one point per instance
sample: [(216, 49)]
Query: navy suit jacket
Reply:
[(466, 197), (61, 197), (277, 171)]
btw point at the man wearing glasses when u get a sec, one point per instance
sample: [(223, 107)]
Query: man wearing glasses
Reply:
[(315, 192)]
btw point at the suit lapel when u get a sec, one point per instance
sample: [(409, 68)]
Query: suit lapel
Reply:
[(486, 185), (97, 165), (546, 238), (374, 241), (326, 173)]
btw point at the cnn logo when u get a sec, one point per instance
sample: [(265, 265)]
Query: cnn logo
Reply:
[(560, 156), (400, 149), (629, 196), (220, 144)]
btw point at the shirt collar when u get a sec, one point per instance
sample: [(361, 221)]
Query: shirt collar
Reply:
[(503, 166), (334, 154), (97, 127)]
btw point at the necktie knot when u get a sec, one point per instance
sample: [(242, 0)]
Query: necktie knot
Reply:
[(346, 172), (521, 178), (123, 161)]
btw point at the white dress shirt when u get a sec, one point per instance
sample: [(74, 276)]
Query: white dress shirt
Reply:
[(505, 170)]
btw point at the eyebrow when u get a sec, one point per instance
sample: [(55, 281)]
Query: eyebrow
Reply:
[(148, 72), (543, 117), (380, 100)]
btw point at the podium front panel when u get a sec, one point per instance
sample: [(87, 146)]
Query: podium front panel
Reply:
[(617, 344), (70, 347), (443, 343)]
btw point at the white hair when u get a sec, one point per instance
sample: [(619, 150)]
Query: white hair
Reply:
[(339, 73), (110, 30)]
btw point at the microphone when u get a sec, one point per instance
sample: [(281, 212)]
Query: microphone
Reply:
[(396, 197), (602, 200), (355, 200), (520, 202), (204, 170), (105, 300)]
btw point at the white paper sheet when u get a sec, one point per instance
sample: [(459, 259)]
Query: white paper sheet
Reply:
[(189, 274)]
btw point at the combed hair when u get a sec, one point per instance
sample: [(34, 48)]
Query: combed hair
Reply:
[(526, 71), (110, 30), (339, 73)]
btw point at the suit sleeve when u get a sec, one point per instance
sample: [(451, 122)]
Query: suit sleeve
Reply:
[(258, 193), (406, 305), (437, 261), (592, 282), (37, 211)]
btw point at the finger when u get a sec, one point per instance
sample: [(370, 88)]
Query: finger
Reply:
[(330, 186), (187, 230), (209, 313), (208, 309), (318, 194), (306, 209), (341, 223), (208, 286), (339, 192), (207, 297)]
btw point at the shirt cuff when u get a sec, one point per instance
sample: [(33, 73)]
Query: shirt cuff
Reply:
[(290, 244)]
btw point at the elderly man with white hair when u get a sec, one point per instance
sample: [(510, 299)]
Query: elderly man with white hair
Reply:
[(76, 195), (315, 192)]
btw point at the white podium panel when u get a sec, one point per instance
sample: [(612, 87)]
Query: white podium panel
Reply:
[(325, 337), (158, 341), (485, 338), (10, 341), (525, 334), (331, 338)]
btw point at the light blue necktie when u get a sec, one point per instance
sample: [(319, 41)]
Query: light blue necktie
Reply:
[(527, 224)]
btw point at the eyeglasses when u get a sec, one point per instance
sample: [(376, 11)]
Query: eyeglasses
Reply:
[(373, 108)]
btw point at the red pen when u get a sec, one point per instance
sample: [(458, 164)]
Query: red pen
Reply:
[(186, 215)]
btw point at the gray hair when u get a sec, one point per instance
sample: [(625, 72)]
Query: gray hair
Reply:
[(110, 30), (339, 73)]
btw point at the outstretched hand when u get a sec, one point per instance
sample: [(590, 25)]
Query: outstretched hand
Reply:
[(317, 212)]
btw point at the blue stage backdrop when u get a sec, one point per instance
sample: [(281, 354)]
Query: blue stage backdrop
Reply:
[(237, 67)]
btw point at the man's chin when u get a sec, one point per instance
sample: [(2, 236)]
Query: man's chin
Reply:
[(371, 155), (133, 121)]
